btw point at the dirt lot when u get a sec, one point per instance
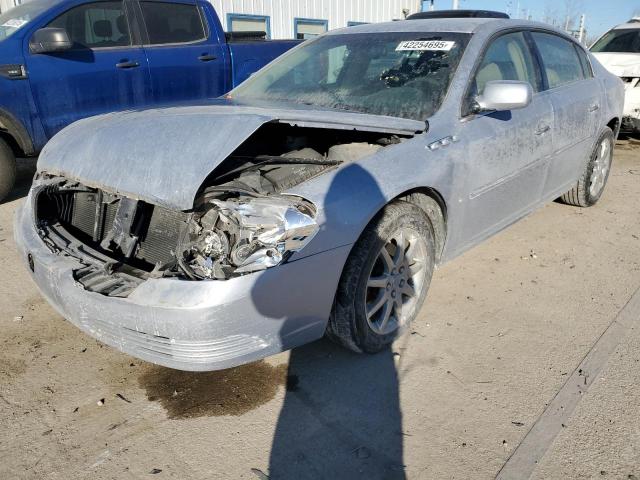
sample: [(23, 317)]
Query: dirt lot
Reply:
[(502, 336)]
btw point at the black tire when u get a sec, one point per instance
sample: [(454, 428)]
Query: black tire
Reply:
[(7, 169), (580, 195), (348, 325)]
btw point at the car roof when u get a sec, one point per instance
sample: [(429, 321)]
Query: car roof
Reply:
[(631, 24), (452, 25)]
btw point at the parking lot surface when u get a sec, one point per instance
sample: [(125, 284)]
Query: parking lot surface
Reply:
[(501, 337)]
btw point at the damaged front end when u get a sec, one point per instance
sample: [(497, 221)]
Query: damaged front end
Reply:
[(242, 220)]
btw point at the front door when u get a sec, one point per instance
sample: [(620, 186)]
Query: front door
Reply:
[(508, 152), (103, 72)]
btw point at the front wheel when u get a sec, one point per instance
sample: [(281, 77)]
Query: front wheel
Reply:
[(385, 279), (591, 183)]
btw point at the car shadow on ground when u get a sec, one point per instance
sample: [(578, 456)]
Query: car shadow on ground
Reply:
[(340, 418), (25, 170), (341, 414)]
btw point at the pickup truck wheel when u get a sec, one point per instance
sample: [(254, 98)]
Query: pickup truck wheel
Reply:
[(591, 184), (7, 169), (385, 279)]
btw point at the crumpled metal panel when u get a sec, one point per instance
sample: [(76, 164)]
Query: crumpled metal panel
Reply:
[(162, 156)]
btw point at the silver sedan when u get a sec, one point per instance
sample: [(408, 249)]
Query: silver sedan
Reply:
[(317, 197)]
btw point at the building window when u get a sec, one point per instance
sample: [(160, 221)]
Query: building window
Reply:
[(239, 22), (304, 28), (353, 24)]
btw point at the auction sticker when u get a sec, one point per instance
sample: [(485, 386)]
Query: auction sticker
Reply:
[(14, 23), (425, 45)]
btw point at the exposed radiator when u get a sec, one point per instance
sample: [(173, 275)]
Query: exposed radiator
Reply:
[(158, 228)]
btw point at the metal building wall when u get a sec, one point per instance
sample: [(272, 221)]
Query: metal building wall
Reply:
[(7, 5), (337, 12)]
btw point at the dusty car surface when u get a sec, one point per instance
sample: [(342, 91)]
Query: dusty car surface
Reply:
[(619, 51), (320, 195)]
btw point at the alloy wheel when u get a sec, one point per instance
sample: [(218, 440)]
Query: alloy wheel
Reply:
[(601, 166), (396, 281)]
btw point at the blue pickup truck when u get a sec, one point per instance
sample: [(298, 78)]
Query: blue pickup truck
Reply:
[(62, 60)]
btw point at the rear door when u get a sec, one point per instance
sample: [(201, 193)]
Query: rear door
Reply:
[(104, 71), (186, 58), (508, 152), (575, 95)]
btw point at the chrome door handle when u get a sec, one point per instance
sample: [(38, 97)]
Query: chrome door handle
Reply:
[(542, 129), (594, 108), (127, 64)]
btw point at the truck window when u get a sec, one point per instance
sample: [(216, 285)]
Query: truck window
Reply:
[(95, 25), (172, 22)]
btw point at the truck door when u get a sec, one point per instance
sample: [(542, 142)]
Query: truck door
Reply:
[(186, 58), (104, 70)]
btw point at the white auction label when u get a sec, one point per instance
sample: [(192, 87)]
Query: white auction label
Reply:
[(14, 23), (425, 45)]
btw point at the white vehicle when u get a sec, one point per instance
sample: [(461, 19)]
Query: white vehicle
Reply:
[(619, 51)]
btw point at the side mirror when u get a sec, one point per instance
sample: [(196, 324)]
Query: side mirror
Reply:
[(49, 40), (501, 95)]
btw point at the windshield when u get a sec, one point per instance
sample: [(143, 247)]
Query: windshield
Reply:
[(18, 17), (396, 74), (619, 41)]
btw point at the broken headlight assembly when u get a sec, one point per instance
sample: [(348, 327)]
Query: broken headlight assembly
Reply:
[(244, 234)]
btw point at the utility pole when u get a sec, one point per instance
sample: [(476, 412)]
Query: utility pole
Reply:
[(581, 29)]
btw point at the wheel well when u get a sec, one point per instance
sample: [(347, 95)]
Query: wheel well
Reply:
[(13, 144), (614, 125), (433, 205)]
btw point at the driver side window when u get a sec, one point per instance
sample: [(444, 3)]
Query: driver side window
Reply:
[(95, 25), (507, 58)]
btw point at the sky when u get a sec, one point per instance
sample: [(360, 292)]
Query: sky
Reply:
[(601, 15)]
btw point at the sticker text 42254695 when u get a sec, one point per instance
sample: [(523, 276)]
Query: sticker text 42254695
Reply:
[(425, 45)]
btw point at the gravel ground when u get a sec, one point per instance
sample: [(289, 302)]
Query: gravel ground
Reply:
[(503, 328)]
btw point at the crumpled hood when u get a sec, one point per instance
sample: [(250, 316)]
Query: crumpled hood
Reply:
[(162, 156), (620, 64)]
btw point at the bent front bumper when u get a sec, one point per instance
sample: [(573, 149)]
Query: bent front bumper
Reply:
[(192, 325)]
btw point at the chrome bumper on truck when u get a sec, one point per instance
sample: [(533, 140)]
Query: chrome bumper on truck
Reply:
[(192, 325)]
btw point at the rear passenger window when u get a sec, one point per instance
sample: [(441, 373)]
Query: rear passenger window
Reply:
[(172, 22), (95, 25), (560, 59)]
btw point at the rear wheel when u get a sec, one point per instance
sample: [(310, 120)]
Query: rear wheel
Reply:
[(7, 169), (593, 180), (385, 279)]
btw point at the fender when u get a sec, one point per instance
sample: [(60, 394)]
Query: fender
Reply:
[(17, 131)]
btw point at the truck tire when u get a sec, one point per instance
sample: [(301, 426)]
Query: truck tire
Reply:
[(591, 183), (382, 287), (7, 169)]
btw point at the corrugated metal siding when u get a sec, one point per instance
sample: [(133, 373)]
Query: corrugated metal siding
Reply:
[(337, 12)]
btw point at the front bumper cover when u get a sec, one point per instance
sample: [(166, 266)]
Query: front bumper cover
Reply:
[(192, 325)]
